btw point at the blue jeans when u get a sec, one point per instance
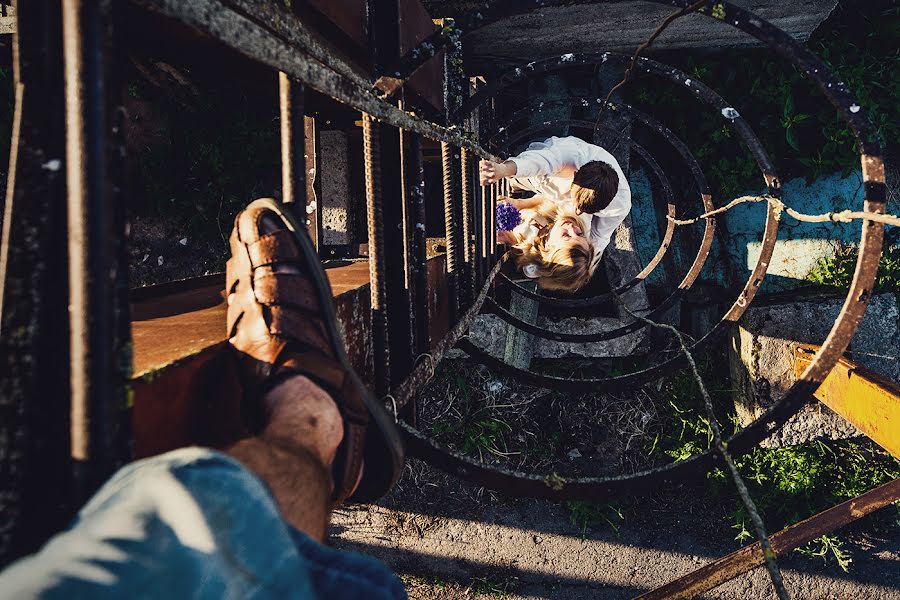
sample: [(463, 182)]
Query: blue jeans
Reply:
[(191, 523)]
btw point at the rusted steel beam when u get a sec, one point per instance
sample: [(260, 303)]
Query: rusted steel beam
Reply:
[(749, 557), (290, 28), (257, 39), (468, 184), (450, 31), (868, 401)]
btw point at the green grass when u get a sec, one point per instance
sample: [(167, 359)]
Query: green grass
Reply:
[(595, 515), (837, 271), (793, 483), (787, 484)]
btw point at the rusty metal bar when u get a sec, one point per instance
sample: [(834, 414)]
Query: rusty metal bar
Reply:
[(484, 234), (92, 263), (468, 285), (749, 557), (868, 401), (293, 144), (424, 370), (451, 232), (375, 223)]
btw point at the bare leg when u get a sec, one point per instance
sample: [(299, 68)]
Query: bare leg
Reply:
[(293, 454)]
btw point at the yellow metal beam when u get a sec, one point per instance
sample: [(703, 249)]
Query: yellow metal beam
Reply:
[(865, 399)]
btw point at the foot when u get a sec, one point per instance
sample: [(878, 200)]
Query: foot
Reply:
[(281, 323)]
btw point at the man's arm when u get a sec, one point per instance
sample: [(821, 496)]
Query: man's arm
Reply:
[(492, 172), (550, 157)]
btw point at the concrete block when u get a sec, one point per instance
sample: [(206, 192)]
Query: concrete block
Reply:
[(335, 181), (762, 359)]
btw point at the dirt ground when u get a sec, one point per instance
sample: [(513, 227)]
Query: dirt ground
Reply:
[(447, 539)]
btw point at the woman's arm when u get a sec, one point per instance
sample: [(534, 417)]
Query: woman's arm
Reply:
[(524, 203)]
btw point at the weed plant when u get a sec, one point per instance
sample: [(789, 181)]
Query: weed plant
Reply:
[(801, 131), (837, 271), (787, 484)]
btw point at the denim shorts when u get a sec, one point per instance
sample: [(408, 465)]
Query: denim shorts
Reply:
[(191, 523)]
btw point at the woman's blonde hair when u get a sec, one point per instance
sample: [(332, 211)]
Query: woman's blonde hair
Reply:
[(563, 268)]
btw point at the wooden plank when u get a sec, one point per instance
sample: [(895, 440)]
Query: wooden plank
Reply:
[(865, 399), (169, 328), (749, 557)]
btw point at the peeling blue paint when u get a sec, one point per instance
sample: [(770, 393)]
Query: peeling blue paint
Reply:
[(739, 233)]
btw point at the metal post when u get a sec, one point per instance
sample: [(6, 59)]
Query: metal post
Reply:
[(396, 215), (34, 354), (492, 223), (375, 221), (414, 202), (484, 230), (92, 240)]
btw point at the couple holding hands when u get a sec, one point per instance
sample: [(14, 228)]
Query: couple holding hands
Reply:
[(580, 196)]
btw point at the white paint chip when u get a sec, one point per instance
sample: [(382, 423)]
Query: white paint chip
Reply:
[(854, 108), (52, 165), (729, 113), (183, 241)]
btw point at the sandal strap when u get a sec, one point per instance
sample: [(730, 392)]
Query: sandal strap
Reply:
[(297, 327), (273, 248), (286, 289)]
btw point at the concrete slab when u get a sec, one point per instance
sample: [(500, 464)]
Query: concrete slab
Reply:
[(335, 181), (620, 26), (489, 332), (762, 361)]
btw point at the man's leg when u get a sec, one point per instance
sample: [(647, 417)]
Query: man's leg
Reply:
[(193, 522), (294, 453)]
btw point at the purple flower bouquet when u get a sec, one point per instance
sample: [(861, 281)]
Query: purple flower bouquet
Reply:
[(508, 216)]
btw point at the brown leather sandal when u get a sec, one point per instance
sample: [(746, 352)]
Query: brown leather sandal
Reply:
[(281, 322)]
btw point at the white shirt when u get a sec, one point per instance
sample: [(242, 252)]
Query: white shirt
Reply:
[(548, 168)]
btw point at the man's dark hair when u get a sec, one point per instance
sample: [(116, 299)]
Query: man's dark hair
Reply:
[(599, 184)]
